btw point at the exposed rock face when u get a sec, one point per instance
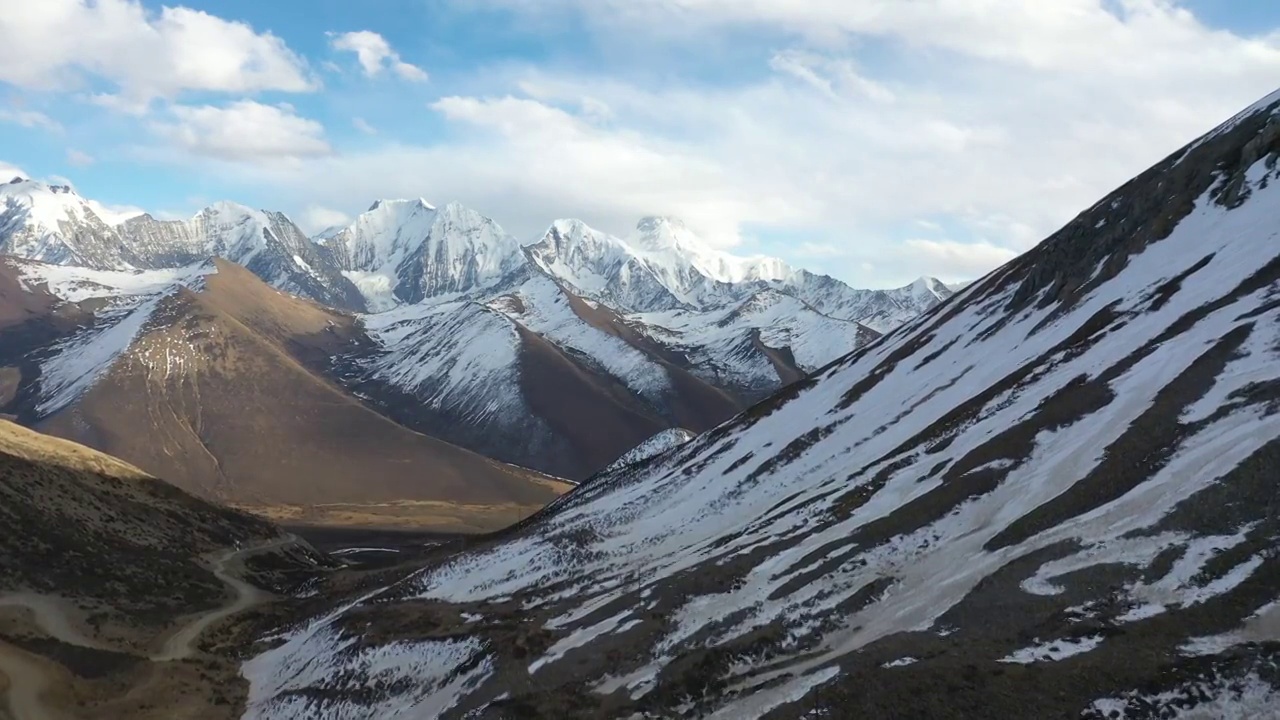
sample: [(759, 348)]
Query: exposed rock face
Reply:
[(267, 243)]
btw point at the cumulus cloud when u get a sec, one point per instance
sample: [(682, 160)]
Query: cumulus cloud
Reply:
[(60, 44), (244, 131), (375, 55), (993, 122), (363, 126), (952, 260)]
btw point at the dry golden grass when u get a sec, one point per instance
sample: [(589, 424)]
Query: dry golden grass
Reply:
[(48, 450), (425, 515)]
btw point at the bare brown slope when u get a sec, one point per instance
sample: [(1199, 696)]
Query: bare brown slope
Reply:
[(592, 413), (17, 302), (210, 397)]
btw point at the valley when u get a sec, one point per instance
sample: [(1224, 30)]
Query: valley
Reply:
[(1051, 496), (416, 340), (416, 466)]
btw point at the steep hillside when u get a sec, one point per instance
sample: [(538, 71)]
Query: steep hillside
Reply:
[(208, 377), (1052, 497), (120, 595), (86, 525)]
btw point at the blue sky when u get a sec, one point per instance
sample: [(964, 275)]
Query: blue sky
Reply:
[(876, 140)]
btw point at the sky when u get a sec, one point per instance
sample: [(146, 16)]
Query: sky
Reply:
[(873, 140)]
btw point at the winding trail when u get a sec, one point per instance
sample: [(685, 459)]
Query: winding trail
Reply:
[(30, 676)]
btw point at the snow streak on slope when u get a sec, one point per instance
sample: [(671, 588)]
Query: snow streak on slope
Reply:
[(542, 306), (724, 344), (1101, 406), (73, 365), (663, 442), (459, 357), (123, 288)]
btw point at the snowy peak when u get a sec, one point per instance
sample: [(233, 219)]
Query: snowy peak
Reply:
[(52, 223), (405, 251), (268, 243), (925, 289), (669, 240), (418, 203), (663, 233)]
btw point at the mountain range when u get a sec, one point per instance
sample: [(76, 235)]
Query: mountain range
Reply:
[(1053, 496), (558, 355)]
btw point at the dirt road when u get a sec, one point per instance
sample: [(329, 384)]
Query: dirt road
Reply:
[(30, 676)]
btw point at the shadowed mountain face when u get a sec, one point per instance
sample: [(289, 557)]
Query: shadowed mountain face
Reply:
[(1053, 496)]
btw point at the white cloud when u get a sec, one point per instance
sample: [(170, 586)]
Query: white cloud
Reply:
[(951, 260), (996, 121), (244, 131), (834, 78), (114, 214), (30, 119), (57, 44), (374, 54), (79, 158), (9, 172), (1001, 119), (363, 126), (316, 218)]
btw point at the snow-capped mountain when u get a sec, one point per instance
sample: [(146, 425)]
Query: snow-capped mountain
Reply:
[(1054, 496), (455, 294), (208, 376), (51, 223), (405, 251), (880, 310), (663, 266), (758, 344), (474, 338), (267, 243)]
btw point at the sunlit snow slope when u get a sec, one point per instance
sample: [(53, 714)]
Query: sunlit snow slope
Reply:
[(1053, 497)]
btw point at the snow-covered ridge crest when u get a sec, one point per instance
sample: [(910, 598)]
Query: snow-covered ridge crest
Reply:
[(664, 441), (663, 265), (405, 251)]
